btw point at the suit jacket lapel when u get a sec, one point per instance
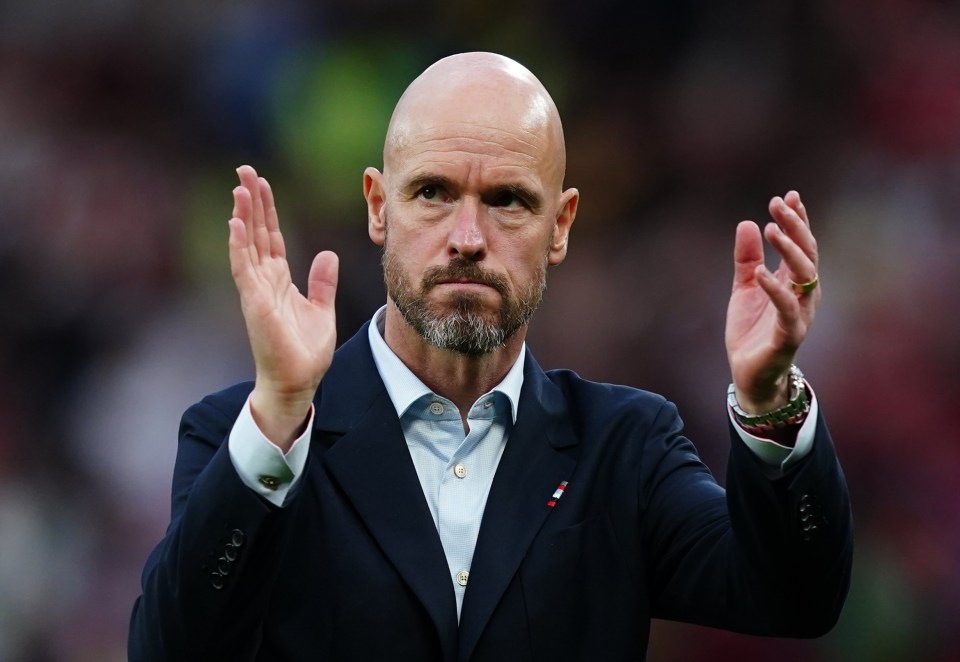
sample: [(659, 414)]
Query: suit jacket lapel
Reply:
[(529, 472), (372, 464)]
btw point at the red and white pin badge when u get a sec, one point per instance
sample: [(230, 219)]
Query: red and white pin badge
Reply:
[(557, 494)]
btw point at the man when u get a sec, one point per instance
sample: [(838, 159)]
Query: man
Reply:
[(427, 492)]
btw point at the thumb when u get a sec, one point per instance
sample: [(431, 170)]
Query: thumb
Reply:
[(322, 282), (747, 252)]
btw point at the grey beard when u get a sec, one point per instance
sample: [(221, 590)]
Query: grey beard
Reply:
[(465, 330)]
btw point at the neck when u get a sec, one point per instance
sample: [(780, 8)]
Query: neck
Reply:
[(460, 378)]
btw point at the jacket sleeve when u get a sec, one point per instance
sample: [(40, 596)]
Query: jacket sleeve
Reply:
[(772, 555), (206, 586)]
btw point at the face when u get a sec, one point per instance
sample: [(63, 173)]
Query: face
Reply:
[(460, 319), (470, 213)]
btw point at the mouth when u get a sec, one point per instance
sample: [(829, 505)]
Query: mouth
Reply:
[(465, 277), (462, 281), (465, 284)]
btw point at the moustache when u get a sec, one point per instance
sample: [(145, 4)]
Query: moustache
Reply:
[(460, 269)]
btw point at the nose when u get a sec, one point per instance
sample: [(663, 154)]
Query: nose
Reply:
[(467, 239)]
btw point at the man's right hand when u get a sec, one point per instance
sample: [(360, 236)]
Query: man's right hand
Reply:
[(292, 336)]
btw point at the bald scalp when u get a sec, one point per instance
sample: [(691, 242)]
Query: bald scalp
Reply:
[(481, 88)]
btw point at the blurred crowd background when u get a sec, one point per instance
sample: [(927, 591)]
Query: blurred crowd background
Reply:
[(121, 123)]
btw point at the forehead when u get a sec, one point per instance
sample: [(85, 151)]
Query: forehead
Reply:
[(475, 142), (487, 139)]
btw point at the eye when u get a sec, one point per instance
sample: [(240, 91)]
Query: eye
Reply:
[(433, 193), (508, 200)]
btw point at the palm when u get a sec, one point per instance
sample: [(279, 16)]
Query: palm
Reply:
[(293, 337)]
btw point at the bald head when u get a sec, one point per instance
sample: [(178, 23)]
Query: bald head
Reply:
[(473, 175), (482, 91)]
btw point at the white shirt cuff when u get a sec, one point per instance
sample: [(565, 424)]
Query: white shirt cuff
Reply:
[(261, 465), (777, 455)]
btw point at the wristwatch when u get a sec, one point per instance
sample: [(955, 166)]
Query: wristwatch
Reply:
[(792, 413)]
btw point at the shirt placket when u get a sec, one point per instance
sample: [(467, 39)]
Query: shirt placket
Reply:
[(460, 499)]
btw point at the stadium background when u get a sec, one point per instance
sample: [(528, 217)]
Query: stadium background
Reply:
[(121, 123)]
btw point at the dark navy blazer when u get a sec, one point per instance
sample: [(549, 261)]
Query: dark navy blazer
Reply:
[(352, 567)]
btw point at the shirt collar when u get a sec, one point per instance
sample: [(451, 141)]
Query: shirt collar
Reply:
[(405, 388)]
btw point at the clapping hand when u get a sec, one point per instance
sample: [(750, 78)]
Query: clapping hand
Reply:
[(292, 336), (770, 313)]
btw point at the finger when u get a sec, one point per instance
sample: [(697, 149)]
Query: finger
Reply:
[(241, 205), (272, 221), (792, 198), (747, 252), (794, 226), (785, 301), (257, 226), (240, 258), (243, 211), (322, 282), (800, 267)]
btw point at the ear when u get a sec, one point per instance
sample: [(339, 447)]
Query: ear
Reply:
[(373, 191), (561, 227)]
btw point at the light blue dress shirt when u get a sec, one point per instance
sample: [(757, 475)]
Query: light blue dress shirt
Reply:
[(455, 469)]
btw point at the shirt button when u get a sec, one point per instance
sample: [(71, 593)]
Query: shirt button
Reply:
[(462, 577), (460, 471), (269, 482), (436, 408)]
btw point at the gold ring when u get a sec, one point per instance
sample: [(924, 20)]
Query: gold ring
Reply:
[(805, 288)]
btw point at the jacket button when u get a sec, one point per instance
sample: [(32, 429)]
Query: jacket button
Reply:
[(236, 538), (230, 553), (223, 566), (216, 580)]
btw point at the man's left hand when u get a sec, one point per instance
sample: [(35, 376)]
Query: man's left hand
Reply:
[(770, 313)]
